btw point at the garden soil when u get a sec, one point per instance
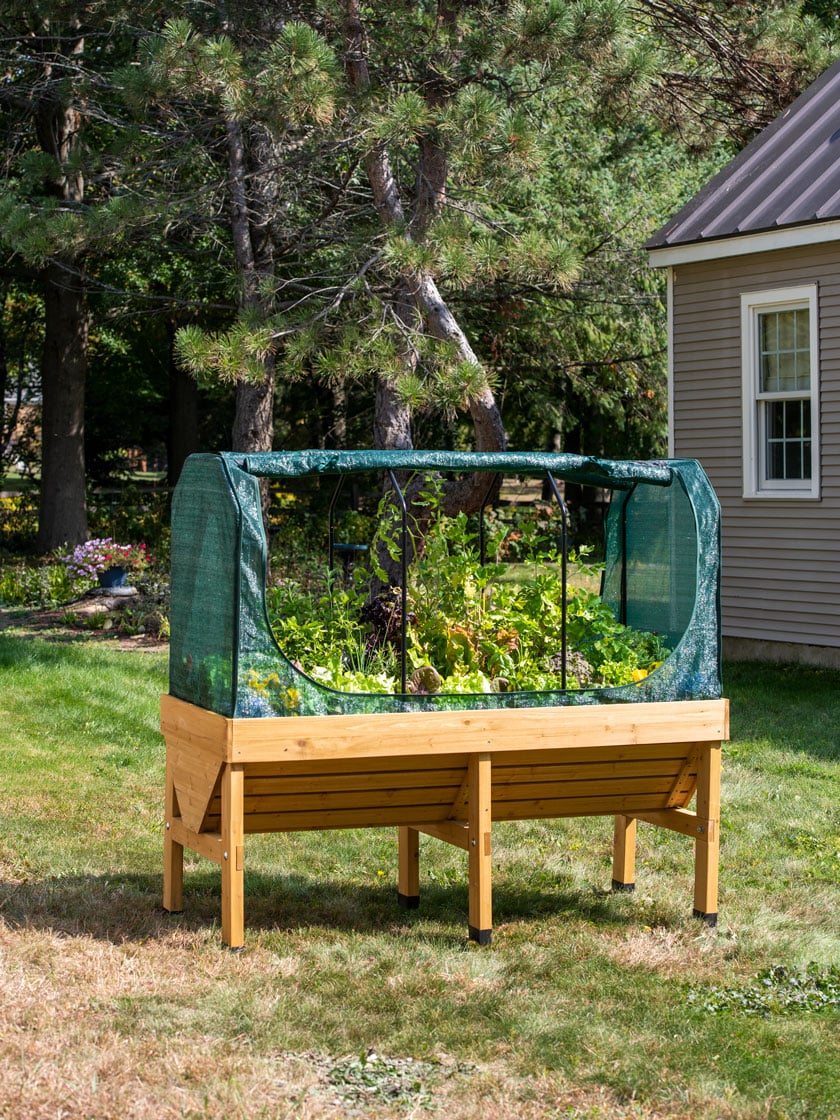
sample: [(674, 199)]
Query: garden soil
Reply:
[(126, 622)]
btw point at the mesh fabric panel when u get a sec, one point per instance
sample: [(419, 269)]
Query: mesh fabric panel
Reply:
[(205, 607), (662, 574)]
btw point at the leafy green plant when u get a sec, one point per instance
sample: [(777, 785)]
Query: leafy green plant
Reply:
[(527, 533), (469, 627), (99, 620)]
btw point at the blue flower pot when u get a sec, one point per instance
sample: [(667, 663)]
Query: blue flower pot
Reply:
[(112, 577)]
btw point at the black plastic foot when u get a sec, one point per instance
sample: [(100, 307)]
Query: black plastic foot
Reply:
[(622, 888), (482, 936), (168, 911), (234, 948), (409, 901), (709, 919)]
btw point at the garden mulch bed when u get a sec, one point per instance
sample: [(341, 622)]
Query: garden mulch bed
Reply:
[(126, 622)]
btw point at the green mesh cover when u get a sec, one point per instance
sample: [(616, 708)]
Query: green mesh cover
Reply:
[(662, 573)]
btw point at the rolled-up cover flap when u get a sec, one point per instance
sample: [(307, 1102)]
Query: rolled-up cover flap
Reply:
[(615, 474)]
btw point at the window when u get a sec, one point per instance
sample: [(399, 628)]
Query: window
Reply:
[(781, 381)]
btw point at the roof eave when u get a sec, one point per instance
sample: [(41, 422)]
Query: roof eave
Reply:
[(743, 244)]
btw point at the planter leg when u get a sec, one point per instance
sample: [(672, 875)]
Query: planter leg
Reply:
[(409, 871), (173, 855), (233, 856), (624, 854), (707, 844), (479, 830)]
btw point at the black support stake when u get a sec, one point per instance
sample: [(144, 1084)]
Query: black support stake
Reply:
[(333, 501), (622, 607), (481, 542), (404, 579), (564, 540)]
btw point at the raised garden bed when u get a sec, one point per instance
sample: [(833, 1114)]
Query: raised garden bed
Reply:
[(299, 755)]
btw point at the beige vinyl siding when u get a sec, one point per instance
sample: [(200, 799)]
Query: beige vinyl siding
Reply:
[(781, 557)]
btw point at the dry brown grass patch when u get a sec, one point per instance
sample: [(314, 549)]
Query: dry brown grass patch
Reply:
[(69, 1049), (672, 953)]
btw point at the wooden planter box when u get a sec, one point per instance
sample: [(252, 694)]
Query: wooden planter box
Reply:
[(447, 774), (242, 759)]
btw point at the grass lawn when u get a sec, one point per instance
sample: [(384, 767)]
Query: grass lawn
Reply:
[(586, 1005)]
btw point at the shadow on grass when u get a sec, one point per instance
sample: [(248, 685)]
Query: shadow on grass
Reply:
[(36, 650), (790, 707), (54, 635), (126, 908)]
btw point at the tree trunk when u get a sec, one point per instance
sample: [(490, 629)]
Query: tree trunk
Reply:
[(419, 298), (62, 516), (391, 419), (253, 424), (183, 414), (418, 303)]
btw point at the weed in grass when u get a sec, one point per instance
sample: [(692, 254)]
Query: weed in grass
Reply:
[(361, 1080), (820, 857), (776, 991)]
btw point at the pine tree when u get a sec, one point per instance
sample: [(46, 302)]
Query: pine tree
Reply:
[(61, 212), (250, 89)]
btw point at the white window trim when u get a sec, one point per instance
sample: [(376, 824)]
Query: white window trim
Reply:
[(752, 304)]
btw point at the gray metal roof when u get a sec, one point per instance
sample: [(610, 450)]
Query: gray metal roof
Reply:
[(788, 175)]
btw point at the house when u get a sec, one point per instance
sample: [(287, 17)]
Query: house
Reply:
[(753, 266)]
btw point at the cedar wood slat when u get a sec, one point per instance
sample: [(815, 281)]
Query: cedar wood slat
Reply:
[(532, 809), (445, 733), (655, 787), (258, 783)]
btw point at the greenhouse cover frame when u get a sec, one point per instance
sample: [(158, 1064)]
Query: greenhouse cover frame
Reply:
[(662, 573)]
